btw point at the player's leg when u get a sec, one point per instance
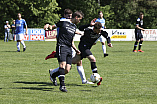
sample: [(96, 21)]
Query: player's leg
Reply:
[(22, 42), (51, 72), (140, 45), (61, 76), (18, 42), (93, 63), (136, 42), (93, 66), (102, 40), (52, 55), (5, 36)]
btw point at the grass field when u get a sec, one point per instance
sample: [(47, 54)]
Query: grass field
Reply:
[(128, 78)]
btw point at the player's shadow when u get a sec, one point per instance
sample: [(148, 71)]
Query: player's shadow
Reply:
[(35, 88), (9, 51)]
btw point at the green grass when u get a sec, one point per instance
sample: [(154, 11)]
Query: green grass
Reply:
[(128, 78)]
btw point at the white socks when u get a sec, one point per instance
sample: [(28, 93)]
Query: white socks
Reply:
[(53, 70), (81, 72), (18, 45), (22, 42), (104, 48)]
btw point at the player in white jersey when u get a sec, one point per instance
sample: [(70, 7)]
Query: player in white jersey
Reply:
[(68, 15), (101, 38), (20, 24)]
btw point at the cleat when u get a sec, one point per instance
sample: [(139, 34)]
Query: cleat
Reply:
[(99, 83), (24, 49), (53, 80), (52, 55), (140, 50), (18, 51), (134, 51), (63, 89), (87, 82), (105, 54)]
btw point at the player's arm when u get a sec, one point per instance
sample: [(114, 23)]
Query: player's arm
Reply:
[(79, 32), (137, 26), (87, 25), (74, 47), (105, 35), (26, 30), (49, 27)]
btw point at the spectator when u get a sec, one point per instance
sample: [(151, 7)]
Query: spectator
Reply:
[(7, 29), (13, 29)]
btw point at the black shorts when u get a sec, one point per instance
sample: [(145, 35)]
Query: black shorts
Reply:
[(64, 54), (85, 50), (138, 35)]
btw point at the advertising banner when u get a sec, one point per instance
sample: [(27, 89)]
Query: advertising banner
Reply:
[(150, 35), (50, 35), (34, 35), (120, 34)]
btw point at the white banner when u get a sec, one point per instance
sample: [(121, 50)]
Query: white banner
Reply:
[(120, 34), (150, 35), (127, 35)]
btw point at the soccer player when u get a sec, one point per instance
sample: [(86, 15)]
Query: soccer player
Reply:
[(101, 38), (67, 29), (19, 26), (67, 15), (138, 34), (86, 42)]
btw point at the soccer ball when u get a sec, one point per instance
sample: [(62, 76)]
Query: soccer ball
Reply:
[(95, 77)]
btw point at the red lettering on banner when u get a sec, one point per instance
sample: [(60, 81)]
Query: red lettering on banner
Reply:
[(36, 37), (26, 37), (51, 34), (149, 32)]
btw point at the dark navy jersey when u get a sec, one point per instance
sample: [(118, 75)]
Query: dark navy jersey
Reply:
[(139, 22), (66, 32), (90, 37)]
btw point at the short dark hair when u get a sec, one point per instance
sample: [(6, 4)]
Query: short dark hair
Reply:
[(99, 12), (78, 14), (68, 11), (141, 13), (97, 25)]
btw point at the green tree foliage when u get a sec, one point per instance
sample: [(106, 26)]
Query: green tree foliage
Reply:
[(120, 14), (88, 7)]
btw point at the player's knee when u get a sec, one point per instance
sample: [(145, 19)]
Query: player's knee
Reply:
[(103, 43), (79, 63), (141, 40), (93, 59), (94, 44)]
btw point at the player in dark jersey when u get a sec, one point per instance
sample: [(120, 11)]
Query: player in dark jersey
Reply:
[(64, 43), (138, 34), (86, 43)]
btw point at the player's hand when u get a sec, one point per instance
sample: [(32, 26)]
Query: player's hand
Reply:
[(78, 52), (46, 27), (110, 45), (92, 23), (26, 33), (143, 29)]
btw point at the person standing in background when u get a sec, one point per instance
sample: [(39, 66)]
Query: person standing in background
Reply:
[(7, 30), (13, 29), (101, 38), (138, 33), (19, 26)]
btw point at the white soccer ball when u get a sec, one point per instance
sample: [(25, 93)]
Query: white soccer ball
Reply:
[(95, 77)]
